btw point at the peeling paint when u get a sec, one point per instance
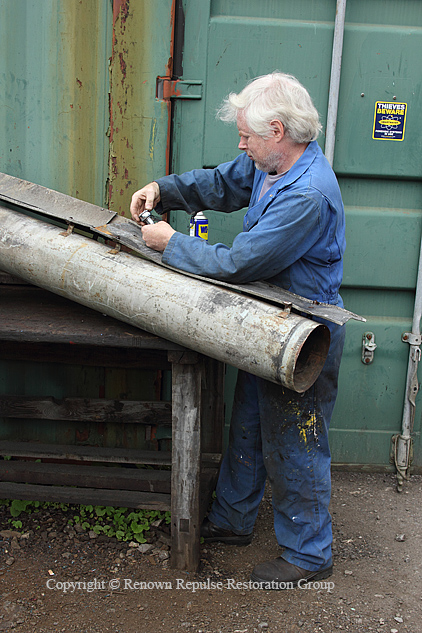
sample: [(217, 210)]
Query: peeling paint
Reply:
[(152, 138), (139, 124)]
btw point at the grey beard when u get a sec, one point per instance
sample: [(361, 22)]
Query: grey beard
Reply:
[(269, 164)]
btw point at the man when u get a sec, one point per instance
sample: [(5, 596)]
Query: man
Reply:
[(293, 236)]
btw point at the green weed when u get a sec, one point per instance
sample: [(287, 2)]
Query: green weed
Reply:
[(124, 524)]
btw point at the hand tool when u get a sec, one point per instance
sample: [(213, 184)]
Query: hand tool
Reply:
[(146, 217)]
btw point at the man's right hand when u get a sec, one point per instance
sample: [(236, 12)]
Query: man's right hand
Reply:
[(146, 198)]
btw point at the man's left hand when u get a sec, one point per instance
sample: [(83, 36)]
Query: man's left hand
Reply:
[(157, 236)]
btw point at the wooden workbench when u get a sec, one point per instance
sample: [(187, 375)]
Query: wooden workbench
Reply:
[(40, 326)]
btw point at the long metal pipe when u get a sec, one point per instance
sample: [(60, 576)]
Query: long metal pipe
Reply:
[(250, 334), (335, 80), (403, 442)]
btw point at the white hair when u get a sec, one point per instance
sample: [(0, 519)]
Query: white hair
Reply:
[(276, 96)]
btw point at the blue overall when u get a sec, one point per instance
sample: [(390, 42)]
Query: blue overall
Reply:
[(293, 237)]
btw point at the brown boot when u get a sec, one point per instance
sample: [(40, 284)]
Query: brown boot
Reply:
[(279, 574), (211, 533)]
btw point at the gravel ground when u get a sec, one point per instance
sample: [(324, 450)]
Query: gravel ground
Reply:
[(376, 585)]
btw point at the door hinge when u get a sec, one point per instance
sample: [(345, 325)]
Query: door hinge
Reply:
[(167, 88), (412, 339)]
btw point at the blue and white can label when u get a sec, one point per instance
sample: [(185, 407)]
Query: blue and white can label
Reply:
[(199, 226)]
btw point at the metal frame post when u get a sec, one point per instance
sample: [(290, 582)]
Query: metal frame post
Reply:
[(335, 80), (402, 443)]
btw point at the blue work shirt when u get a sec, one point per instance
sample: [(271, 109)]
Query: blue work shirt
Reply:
[(292, 237)]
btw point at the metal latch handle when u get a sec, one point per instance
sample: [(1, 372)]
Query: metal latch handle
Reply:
[(167, 88), (368, 347)]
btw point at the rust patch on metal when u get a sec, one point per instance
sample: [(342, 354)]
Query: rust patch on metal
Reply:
[(120, 10), (104, 229), (122, 66), (169, 74), (120, 16), (169, 65), (139, 126), (170, 88)]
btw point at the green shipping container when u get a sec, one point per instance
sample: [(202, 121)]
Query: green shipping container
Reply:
[(228, 42), (82, 111)]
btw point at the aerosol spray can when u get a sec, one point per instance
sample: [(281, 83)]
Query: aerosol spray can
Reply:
[(199, 226)]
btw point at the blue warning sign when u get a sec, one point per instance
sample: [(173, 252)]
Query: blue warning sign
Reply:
[(389, 121)]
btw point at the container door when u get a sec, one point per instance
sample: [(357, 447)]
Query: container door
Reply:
[(377, 160), (54, 94)]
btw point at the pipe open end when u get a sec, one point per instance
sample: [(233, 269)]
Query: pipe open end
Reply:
[(311, 358)]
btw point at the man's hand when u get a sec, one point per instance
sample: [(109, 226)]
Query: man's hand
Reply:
[(146, 198), (157, 236)]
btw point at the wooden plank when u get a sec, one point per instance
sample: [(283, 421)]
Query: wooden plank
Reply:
[(84, 453), (85, 496), (211, 460), (11, 280), (32, 314), (87, 476), (95, 454), (186, 461), (90, 355), (212, 406), (184, 357), (86, 409)]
